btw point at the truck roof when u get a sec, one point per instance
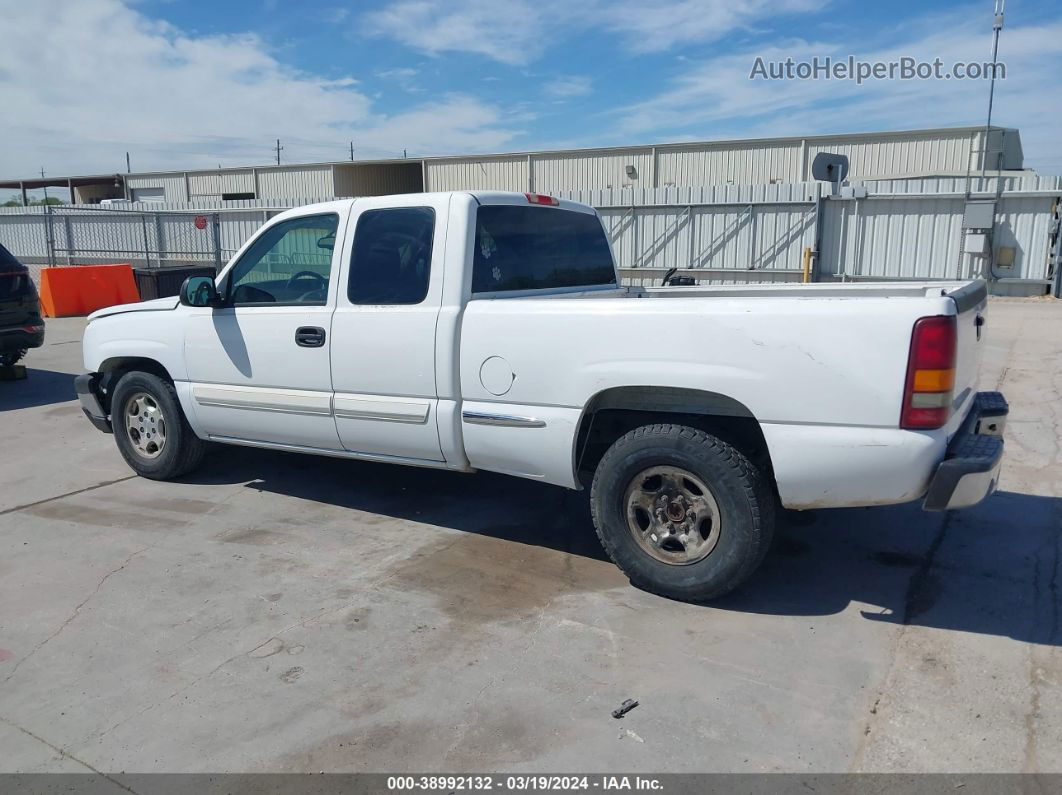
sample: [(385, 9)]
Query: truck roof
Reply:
[(481, 196)]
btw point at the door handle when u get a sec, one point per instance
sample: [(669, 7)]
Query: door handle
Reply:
[(309, 336)]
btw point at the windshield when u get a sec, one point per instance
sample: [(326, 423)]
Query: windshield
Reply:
[(532, 248)]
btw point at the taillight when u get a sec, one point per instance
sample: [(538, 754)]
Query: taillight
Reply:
[(542, 198), (930, 374)]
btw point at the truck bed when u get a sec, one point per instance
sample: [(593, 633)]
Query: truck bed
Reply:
[(958, 291), (820, 367)]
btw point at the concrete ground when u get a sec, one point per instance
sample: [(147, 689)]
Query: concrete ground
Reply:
[(276, 612)]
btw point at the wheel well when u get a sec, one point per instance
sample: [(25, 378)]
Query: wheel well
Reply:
[(113, 369), (614, 412)]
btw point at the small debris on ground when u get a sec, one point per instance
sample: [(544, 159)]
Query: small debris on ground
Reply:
[(624, 708)]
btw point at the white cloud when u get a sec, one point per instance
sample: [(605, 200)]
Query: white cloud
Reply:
[(83, 84), (504, 30), (402, 76), (516, 32), (568, 87), (662, 25), (716, 99), (399, 73)]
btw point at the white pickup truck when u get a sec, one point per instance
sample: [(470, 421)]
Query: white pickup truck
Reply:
[(489, 331)]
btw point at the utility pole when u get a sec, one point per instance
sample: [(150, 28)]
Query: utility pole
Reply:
[(45, 186), (279, 150), (404, 154), (351, 150), (128, 168)]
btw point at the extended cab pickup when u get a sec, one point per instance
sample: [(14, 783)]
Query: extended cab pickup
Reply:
[(489, 331)]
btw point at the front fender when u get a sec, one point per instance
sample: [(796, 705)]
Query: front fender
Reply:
[(144, 335)]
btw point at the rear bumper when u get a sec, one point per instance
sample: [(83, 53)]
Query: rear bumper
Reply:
[(970, 469), (87, 388), (24, 335)]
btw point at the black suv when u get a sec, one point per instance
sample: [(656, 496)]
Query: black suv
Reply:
[(21, 326)]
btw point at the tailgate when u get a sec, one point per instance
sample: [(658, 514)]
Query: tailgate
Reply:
[(971, 304)]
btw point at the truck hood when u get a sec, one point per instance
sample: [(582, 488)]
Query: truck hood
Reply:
[(156, 305)]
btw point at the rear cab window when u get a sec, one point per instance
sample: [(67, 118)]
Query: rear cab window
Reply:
[(537, 248)]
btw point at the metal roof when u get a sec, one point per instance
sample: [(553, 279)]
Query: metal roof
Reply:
[(60, 182)]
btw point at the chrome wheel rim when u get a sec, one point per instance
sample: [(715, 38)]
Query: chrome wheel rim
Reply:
[(145, 425), (672, 515)]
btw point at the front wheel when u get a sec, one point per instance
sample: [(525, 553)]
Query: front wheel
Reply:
[(151, 430), (681, 512)]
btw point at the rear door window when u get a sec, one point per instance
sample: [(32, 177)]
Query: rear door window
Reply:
[(391, 259), (533, 248)]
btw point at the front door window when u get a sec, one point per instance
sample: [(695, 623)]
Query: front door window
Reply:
[(289, 264)]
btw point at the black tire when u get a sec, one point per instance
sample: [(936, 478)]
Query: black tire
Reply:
[(8, 358), (743, 498), (182, 450)]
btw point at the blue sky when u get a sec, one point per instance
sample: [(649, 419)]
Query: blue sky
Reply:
[(187, 83)]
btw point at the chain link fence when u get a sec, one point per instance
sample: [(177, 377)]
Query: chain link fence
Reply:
[(79, 235)]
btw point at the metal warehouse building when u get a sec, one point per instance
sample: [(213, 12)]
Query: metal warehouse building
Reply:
[(750, 211), (953, 151)]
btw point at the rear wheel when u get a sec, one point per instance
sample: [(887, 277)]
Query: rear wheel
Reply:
[(9, 358), (151, 430), (682, 513)]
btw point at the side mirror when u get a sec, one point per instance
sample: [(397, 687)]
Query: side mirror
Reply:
[(199, 291)]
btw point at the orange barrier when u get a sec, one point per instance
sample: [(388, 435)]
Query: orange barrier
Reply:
[(81, 289)]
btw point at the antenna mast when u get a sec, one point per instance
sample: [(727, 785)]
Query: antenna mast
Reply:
[(997, 26)]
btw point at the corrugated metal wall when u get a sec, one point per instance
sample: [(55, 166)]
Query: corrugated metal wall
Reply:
[(720, 235), (173, 185), (899, 155), (912, 229), (884, 238), (712, 165), (204, 184), (484, 173), (695, 164), (704, 164), (759, 237), (551, 173), (314, 181)]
